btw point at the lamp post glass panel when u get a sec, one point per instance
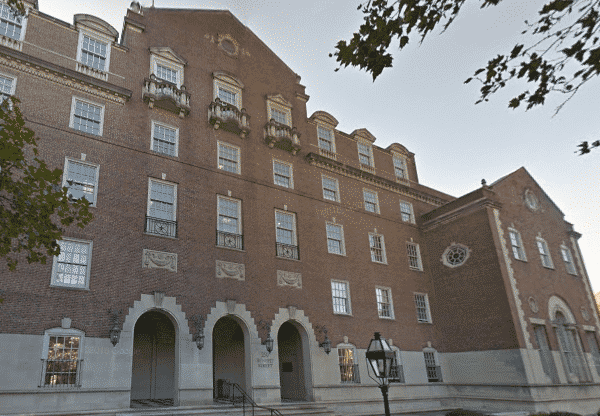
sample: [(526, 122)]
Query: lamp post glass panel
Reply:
[(380, 358)]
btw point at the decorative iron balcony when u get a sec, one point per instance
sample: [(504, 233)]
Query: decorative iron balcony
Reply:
[(282, 136), (349, 373), (287, 251), (61, 373), (228, 117), (434, 373), (230, 240), (158, 226), (166, 95)]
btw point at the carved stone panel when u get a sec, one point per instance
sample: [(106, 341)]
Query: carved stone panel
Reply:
[(231, 270), (159, 260), (289, 279)]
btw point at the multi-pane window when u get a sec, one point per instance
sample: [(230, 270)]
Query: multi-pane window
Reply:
[(517, 245), (325, 139), (377, 248), (340, 296), (335, 239), (400, 168), (396, 370), (371, 201), (165, 67), (282, 174), (227, 95), (82, 179), (285, 232), (544, 253), (6, 87), (568, 259), (165, 139), (541, 338), (330, 188), (62, 367), (593, 348), (162, 208), (229, 158), (71, 266), (348, 365), (165, 73), (93, 53), (384, 302), (414, 256), (365, 156), (229, 223), (11, 23), (434, 372), (87, 117), (278, 116), (406, 212), (422, 308), (568, 340)]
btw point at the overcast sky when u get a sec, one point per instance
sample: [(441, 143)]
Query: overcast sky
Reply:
[(422, 102)]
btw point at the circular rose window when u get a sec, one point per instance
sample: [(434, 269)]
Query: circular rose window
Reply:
[(531, 200), (455, 255)]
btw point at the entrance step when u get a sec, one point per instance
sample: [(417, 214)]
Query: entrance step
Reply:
[(287, 409)]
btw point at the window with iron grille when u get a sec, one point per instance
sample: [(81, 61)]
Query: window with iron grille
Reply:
[(517, 245), (414, 256), (377, 248), (229, 222), (62, 367), (94, 53), (544, 253), (330, 188), (162, 208), (229, 158), (11, 23), (340, 295), (285, 230), (283, 174), (384, 302), (335, 239), (365, 154), (406, 212), (434, 372), (568, 259), (165, 139), (6, 87), (422, 308), (71, 268), (348, 366), (371, 201), (82, 180), (87, 116), (400, 168), (326, 141)]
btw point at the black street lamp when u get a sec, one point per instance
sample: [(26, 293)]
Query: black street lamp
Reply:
[(380, 358)]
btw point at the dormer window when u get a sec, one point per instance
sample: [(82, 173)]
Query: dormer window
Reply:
[(166, 65), (164, 87), (94, 53), (365, 155), (94, 45), (228, 89), (279, 110), (279, 130), (11, 23), (326, 124)]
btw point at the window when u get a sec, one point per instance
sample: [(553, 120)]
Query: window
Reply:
[(593, 348), (162, 208), (167, 65), (406, 212), (335, 239), (348, 365), (227, 95), (165, 139), (11, 23), (229, 157), (365, 154), (71, 268), (568, 259), (87, 116), (568, 340), (82, 180), (544, 253), (377, 248), (384, 302), (414, 256), (517, 245), (330, 188), (285, 230), (229, 223), (422, 307), (282, 174), (434, 372), (340, 294), (61, 361), (541, 338), (7, 86), (326, 141), (280, 113), (371, 201), (93, 52), (400, 168), (165, 73), (397, 370), (228, 90)]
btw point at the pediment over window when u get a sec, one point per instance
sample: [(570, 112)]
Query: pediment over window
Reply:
[(398, 148), (169, 54), (95, 24), (228, 78), (323, 117), (363, 134), (278, 99)]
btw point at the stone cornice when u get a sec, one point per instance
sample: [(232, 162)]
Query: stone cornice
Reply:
[(64, 76), (467, 208), (374, 180)]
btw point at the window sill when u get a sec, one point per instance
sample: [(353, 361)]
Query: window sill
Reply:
[(70, 288), (231, 248), (337, 254), (286, 258), (343, 314), (85, 133), (523, 260), (425, 322), (379, 262), (415, 269), (387, 318), (332, 200), (228, 172), (161, 236), (164, 154)]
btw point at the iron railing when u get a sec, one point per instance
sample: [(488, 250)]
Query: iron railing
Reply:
[(234, 394), (230, 240), (287, 251), (434, 373), (158, 226), (349, 373), (61, 373)]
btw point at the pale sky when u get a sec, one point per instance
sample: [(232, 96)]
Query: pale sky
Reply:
[(422, 102)]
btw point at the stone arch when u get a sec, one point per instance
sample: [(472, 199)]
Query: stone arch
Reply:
[(556, 304), (165, 304), (292, 314)]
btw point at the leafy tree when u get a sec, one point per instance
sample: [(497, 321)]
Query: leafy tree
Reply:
[(34, 208), (561, 52)]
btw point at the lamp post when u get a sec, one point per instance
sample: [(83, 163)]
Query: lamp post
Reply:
[(380, 358)]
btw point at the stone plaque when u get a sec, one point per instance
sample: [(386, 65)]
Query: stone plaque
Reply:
[(289, 279), (231, 270), (159, 260)]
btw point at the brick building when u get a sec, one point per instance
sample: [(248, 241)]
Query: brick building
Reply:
[(228, 219)]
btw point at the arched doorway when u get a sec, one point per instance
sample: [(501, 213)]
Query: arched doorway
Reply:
[(229, 356), (292, 369), (153, 370)]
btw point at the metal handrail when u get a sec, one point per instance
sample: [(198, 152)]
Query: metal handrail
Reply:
[(245, 398)]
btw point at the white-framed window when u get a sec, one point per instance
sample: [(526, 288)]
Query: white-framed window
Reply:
[(87, 116), (544, 253), (82, 179), (283, 174), (94, 51), (71, 268), (400, 167), (229, 157), (161, 215), (326, 139), (165, 139), (385, 307), (340, 297), (406, 212), (166, 65), (434, 371), (12, 24), (517, 245), (229, 223), (8, 85), (285, 235), (335, 239), (568, 259), (371, 201), (228, 92), (414, 256), (377, 248), (348, 365), (330, 188), (365, 154), (62, 356), (422, 308), (279, 113)]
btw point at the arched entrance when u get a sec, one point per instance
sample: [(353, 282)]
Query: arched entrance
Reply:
[(153, 370), (229, 354), (292, 368)]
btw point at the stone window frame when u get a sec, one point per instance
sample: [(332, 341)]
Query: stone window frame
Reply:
[(372, 247), (452, 246), (331, 140), (239, 156), (165, 126), (281, 108), (417, 256), (369, 147), (540, 331), (433, 354), (519, 248), (229, 83), (397, 361), (403, 161), (174, 185), (355, 366), (366, 202), (348, 297), (89, 102), (411, 214), (13, 87), (239, 213), (337, 188), (65, 175), (593, 347), (178, 68), (55, 263), (544, 253), (567, 257), (390, 304), (98, 37), (291, 173), (294, 226), (61, 332), (24, 20), (342, 241), (420, 297)]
